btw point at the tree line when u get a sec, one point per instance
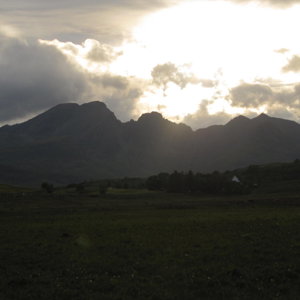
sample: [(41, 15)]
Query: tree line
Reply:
[(189, 182), (222, 183)]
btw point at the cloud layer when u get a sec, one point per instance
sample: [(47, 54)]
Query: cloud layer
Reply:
[(34, 77), (275, 3), (77, 20), (251, 95), (202, 118), (283, 102)]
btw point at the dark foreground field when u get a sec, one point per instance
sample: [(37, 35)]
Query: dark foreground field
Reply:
[(140, 245)]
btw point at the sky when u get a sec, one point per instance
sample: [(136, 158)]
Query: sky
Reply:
[(200, 62)]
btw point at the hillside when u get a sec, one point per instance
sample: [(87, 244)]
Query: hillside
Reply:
[(72, 142)]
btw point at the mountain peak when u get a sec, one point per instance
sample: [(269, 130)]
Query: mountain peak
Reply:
[(155, 116), (64, 106), (239, 120), (95, 109), (94, 105), (262, 116), (94, 114), (67, 118), (52, 117)]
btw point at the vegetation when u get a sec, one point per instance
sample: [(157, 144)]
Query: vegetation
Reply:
[(191, 236), (139, 244), (251, 179), (262, 174), (215, 183), (48, 187)]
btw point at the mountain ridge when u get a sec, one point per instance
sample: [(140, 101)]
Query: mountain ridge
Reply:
[(97, 106), (72, 142)]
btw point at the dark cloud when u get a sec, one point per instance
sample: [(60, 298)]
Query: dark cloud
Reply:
[(169, 72), (251, 95), (276, 100), (34, 77), (293, 64), (112, 81), (121, 94), (275, 3)]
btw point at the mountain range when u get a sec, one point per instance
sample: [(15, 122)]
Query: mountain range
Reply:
[(72, 143)]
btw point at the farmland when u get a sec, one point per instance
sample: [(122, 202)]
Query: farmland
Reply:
[(136, 244)]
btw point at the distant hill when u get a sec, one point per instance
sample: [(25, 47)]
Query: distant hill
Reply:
[(71, 143)]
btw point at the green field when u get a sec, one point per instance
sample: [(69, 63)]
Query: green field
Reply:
[(134, 244)]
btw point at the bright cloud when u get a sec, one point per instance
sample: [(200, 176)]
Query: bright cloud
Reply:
[(91, 55), (274, 3)]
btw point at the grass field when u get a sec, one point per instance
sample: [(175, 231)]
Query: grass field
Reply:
[(145, 245)]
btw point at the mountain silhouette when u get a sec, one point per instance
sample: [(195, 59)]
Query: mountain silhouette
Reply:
[(71, 143)]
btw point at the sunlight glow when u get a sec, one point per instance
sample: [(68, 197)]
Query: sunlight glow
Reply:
[(211, 34), (226, 43), (177, 103), (241, 41)]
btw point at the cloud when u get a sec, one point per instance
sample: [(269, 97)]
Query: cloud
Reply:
[(37, 5), (273, 83), (9, 31), (275, 3), (163, 74), (100, 52), (282, 50), (280, 111), (202, 118), (293, 65), (91, 54), (251, 95), (76, 20), (34, 77), (282, 101), (121, 94)]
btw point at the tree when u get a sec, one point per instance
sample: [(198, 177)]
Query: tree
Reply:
[(153, 183), (103, 186), (80, 188), (49, 188), (176, 183), (189, 182)]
